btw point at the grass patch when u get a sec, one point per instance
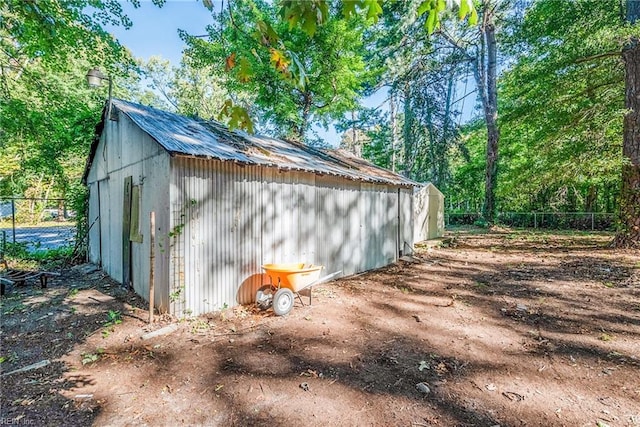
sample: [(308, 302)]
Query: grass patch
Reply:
[(605, 337), (21, 256)]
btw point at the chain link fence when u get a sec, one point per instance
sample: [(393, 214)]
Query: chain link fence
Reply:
[(549, 220), (36, 224)]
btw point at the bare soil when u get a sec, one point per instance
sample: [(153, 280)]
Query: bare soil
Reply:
[(502, 328)]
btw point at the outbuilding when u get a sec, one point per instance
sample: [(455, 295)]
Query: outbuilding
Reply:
[(225, 203), (429, 213)]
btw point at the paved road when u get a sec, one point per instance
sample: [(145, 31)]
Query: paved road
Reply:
[(42, 237)]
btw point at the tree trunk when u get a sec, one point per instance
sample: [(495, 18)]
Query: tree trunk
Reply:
[(300, 132), (409, 157), (590, 204), (442, 163), (356, 147), (394, 129), (628, 234), (487, 87)]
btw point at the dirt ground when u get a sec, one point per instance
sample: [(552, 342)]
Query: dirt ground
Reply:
[(503, 328)]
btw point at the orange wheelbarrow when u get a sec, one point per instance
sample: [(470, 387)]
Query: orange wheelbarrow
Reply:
[(286, 282)]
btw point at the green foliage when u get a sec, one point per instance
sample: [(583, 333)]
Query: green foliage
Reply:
[(47, 114), (16, 250), (91, 357), (191, 89), (175, 295), (306, 56), (311, 14), (55, 32), (237, 116), (295, 79), (562, 104), (113, 318), (468, 165), (423, 73), (35, 258)]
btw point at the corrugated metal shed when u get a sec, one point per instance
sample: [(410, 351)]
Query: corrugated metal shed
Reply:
[(206, 138), (225, 203)]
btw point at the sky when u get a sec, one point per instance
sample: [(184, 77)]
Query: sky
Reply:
[(155, 29), (155, 33)]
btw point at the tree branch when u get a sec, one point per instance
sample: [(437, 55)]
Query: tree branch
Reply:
[(598, 56)]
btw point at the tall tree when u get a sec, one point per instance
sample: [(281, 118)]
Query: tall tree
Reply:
[(308, 17), (629, 230), (480, 48), (420, 74), (485, 68)]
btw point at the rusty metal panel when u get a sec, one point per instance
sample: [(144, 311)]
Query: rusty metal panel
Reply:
[(208, 139)]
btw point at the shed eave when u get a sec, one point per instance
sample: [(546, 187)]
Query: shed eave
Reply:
[(281, 167)]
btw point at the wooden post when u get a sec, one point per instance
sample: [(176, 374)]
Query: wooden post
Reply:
[(13, 219), (152, 258)]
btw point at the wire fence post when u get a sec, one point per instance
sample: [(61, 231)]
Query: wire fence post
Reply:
[(13, 219), (593, 221)]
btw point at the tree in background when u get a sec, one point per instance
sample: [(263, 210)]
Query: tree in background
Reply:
[(477, 47), (562, 103), (46, 111), (421, 74), (189, 89), (297, 80)]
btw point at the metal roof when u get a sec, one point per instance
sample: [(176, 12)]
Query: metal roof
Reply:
[(189, 136)]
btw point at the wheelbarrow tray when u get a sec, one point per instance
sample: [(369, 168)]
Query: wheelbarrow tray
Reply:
[(294, 276)]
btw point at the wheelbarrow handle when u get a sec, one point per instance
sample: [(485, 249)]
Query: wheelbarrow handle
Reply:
[(321, 280)]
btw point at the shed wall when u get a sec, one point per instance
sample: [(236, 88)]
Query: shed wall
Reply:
[(216, 215), (125, 150), (228, 219)]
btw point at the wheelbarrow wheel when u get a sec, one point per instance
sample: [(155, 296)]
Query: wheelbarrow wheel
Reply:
[(264, 297), (283, 302)]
